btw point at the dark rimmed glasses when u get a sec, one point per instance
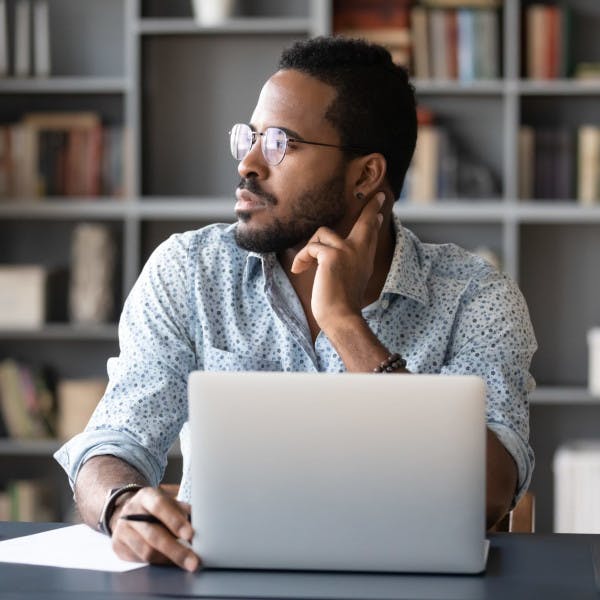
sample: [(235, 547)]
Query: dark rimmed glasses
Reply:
[(274, 142)]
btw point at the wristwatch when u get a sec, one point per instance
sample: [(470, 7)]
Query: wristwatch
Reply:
[(109, 506)]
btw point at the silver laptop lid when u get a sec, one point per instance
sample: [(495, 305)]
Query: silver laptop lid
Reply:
[(338, 471)]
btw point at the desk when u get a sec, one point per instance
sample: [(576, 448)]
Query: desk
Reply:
[(519, 567)]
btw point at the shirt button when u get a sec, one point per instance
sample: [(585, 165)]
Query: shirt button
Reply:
[(385, 303)]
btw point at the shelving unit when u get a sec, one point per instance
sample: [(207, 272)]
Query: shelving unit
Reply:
[(177, 87)]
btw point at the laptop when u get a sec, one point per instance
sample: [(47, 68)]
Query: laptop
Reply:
[(342, 472)]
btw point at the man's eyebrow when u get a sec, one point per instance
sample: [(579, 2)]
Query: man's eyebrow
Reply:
[(290, 132)]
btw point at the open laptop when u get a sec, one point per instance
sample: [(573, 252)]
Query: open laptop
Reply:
[(338, 471)]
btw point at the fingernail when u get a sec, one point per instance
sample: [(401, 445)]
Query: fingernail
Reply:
[(380, 198), (190, 563), (379, 218)]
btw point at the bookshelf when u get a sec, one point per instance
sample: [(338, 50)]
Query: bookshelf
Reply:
[(135, 61)]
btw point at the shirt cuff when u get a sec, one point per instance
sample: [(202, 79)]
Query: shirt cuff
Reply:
[(73, 454)]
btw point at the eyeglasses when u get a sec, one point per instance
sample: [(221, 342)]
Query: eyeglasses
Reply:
[(274, 142)]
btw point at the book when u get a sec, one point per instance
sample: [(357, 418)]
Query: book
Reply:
[(93, 256), (588, 171), (22, 296), (536, 41), (22, 51), (397, 40), (439, 43), (420, 39), (30, 501), (526, 159), (76, 401), (363, 14), (3, 39), (466, 45), (487, 46), (463, 3), (41, 39), (424, 169), (76, 158), (451, 35)]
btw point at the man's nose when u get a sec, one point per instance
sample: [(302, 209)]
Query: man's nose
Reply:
[(254, 163)]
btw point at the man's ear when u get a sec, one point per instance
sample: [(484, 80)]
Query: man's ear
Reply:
[(368, 174)]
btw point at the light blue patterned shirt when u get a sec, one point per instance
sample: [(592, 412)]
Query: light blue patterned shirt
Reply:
[(201, 302)]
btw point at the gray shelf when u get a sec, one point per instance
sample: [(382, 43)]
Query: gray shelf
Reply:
[(563, 395), (63, 331), (556, 87), (446, 87), (71, 208), (249, 25), (33, 448), (64, 85)]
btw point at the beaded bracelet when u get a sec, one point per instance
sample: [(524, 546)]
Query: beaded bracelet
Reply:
[(394, 362)]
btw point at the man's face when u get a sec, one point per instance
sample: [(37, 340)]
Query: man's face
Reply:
[(281, 206)]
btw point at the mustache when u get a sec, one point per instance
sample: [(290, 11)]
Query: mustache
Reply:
[(253, 187)]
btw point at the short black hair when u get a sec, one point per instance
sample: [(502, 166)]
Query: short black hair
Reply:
[(375, 107)]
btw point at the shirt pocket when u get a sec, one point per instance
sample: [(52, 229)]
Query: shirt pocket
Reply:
[(216, 359)]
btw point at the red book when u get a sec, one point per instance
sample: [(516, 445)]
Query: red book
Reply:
[(452, 44), (364, 14)]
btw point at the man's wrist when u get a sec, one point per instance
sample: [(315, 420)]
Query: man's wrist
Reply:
[(114, 500)]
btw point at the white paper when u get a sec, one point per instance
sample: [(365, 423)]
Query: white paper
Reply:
[(75, 547)]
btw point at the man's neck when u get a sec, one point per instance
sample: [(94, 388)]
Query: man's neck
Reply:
[(303, 282)]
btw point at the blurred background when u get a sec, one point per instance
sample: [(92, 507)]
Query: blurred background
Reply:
[(113, 135)]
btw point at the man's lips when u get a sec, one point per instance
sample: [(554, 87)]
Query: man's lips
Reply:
[(247, 201)]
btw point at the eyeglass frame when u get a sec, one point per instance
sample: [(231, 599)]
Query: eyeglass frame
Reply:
[(288, 139)]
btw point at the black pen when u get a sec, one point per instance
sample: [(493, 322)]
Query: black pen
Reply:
[(146, 518)]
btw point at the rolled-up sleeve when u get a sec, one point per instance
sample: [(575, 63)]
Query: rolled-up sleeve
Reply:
[(493, 338), (145, 404)]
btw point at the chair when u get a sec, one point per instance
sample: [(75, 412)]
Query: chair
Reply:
[(521, 519)]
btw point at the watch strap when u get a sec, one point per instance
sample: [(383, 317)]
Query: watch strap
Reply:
[(109, 505)]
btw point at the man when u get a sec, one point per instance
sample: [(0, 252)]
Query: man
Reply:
[(316, 275)]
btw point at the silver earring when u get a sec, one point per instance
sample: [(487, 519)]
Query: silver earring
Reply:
[(360, 196)]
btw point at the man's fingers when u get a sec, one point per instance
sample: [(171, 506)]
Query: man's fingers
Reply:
[(153, 543), (366, 228), (170, 512), (313, 252)]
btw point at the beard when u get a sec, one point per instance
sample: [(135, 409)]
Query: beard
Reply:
[(320, 206)]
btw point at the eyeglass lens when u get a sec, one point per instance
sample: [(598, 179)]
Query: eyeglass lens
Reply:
[(273, 143)]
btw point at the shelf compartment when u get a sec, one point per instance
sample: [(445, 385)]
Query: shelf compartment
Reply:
[(557, 268), (19, 245), (188, 154)]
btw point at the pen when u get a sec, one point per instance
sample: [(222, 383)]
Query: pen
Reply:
[(145, 518)]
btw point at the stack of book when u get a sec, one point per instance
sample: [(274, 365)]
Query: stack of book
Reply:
[(26, 405), (577, 487), (439, 172), (30, 37), (385, 22), (560, 164), (547, 41), (456, 39), (61, 154), (26, 500)]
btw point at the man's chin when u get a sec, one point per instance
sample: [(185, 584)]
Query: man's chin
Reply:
[(262, 239)]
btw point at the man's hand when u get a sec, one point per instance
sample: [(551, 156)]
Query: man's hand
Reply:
[(343, 266), (162, 543)]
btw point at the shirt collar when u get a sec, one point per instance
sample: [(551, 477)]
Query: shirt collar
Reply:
[(409, 268), (407, 275)]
